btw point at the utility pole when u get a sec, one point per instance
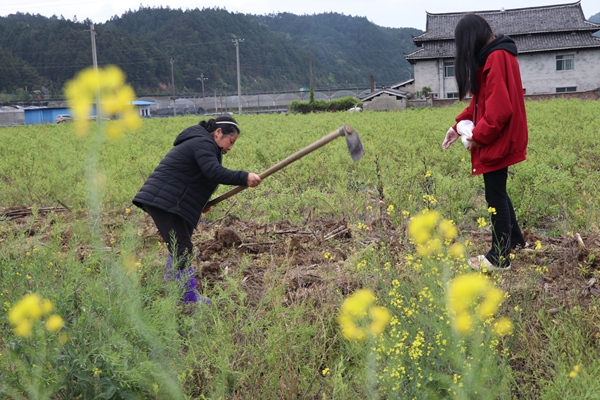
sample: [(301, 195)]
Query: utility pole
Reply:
[(95, 61), (202, 79), (173, 90), (310, 69), (237, 54)]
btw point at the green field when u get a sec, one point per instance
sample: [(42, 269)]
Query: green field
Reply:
[(307, 238)]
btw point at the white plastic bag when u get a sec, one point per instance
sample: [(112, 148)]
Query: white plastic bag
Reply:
[(465, 130)]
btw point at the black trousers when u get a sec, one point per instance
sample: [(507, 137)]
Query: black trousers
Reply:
[(176, 231), (506, 234)]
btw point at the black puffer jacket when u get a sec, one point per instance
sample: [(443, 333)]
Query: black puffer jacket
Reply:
[(188, 175)]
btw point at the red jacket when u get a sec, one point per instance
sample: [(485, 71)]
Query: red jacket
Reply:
[(498, 112)]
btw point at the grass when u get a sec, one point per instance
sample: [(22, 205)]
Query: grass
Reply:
[(272, 332)]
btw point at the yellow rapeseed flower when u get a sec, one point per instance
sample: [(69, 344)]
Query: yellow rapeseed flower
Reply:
[(468, 291), (448, 230), (116, 99), (29, 310), (463, 322), (491, 302), (421, 226), (380, 318), (457, 250), (54, 323), (29, 307), (492, 210), (574, 372), (24, 328), (503, 326), (481, 222), (47, 306), (354, 312)]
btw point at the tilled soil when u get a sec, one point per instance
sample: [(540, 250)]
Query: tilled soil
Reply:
[(309, 257)]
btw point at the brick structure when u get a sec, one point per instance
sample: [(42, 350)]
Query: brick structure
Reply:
[(557, 51)]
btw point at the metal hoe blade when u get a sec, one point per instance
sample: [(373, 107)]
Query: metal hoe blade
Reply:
[(355, 146)]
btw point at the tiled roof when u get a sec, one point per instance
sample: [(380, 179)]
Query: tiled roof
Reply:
[(525, 44), (399, 85), (519, 21), (534, 29), (377, 93), (556, 41)]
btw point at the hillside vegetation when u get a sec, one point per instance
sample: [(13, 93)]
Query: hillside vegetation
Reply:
[(147, 42), (283, 260)]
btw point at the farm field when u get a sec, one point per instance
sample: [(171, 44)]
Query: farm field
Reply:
[(279, 261)]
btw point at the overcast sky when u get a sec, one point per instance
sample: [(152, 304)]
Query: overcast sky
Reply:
[(388, 13)]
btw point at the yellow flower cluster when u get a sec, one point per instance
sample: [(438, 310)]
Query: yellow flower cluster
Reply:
[(475, 292), (28, 310), (481, 222), (116, 99), (360, 319), (361, 225), (429, 199), (429, 236), (574, 372)]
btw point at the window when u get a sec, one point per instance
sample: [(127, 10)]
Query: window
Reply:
[(452, 95), (566, 89), (448, 69), (566, 62)]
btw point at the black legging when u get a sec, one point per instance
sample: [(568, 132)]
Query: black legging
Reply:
[(169, 223), (506, 234)]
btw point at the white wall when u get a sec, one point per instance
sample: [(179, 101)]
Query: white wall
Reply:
[(385, 102), (431, 73), (538, 73)]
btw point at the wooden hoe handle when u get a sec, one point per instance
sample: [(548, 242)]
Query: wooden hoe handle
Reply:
[(284, 163)]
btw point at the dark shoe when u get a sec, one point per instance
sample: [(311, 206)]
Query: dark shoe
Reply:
[(522, 246)]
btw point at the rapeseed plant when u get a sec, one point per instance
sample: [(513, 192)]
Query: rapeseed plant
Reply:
[(360, 319), (475, 292), (433, 347), (29, 310), (115, 98)]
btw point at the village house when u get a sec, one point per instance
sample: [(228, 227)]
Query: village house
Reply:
[(557, 51)]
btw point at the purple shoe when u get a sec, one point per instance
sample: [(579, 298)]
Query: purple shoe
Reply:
[(187, 280)]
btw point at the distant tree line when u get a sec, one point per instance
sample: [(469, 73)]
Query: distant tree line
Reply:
[(276, 53)]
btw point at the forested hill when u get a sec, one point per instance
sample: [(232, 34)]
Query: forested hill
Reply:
[(201, 42), (37, 51), (275, 52), (350, 49)]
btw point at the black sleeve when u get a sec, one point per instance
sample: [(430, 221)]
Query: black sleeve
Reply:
[(207, 159)]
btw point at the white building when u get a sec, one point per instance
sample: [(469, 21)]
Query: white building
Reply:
[(557, 51)]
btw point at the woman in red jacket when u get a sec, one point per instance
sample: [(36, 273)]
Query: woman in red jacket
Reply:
[(486, 66)]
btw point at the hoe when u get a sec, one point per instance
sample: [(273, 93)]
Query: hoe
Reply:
[(355, 148)]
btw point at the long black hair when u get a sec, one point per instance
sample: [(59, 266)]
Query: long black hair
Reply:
[(228, 125), (472, 33)]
